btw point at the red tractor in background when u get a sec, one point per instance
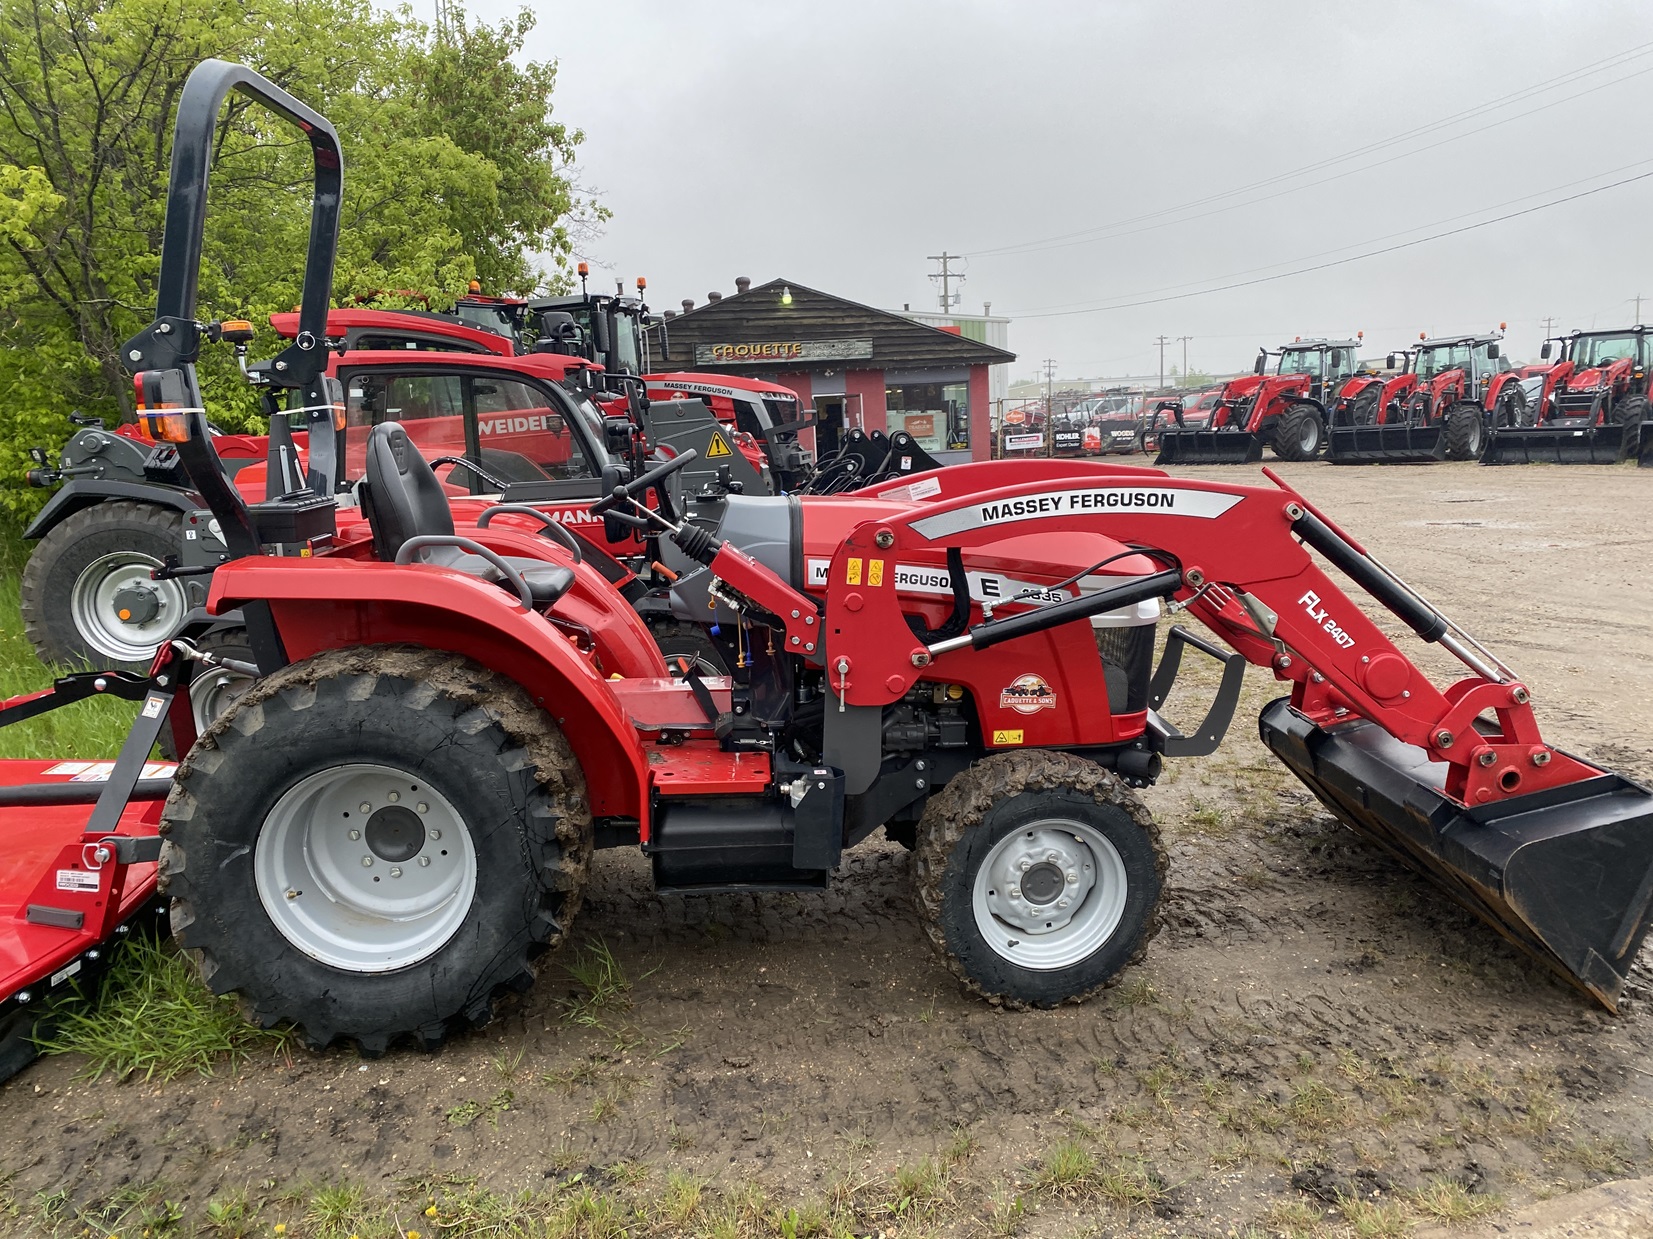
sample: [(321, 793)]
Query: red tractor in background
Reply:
[(1448, 392), (1590, 406), (1286, 410)]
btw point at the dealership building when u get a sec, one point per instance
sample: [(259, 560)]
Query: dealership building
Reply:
[(856, 366)]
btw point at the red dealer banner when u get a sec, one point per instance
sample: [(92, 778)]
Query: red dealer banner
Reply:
[(782, 351)]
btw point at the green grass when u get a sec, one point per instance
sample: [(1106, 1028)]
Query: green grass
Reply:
[(155, 1019), (86, 729)]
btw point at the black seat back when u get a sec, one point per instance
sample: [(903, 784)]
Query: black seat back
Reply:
[(403, 498)]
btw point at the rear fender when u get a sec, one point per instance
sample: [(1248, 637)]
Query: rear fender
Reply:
[(322, 604), (80, 493), (1500, 383)]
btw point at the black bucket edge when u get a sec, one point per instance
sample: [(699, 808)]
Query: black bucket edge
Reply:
[(1566, 874), (1538, 445), (1209, 447), (1378, 445)]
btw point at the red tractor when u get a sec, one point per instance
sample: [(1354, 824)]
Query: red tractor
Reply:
[(1590, 405), (1286, 410), (1439, 407), (386, 828)]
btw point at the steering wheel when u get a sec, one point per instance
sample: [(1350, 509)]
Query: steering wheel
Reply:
[(549, 526), (640, 484)]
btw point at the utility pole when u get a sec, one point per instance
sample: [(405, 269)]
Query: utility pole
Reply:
[(1050, 406), (947, 276), (1162, 342), (1549, 327), (1638, 309), (444, 20), (1184, 340)]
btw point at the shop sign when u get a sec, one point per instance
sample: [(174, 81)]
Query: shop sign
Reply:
[(1020, 443), (1069, 439), (921, 425), (781, 351)]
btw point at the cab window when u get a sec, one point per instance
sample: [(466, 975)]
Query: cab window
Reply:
[(513, 429)]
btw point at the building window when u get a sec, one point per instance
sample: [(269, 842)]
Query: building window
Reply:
[(937, 415)]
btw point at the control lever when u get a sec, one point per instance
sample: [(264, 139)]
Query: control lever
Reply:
[(170, 569)]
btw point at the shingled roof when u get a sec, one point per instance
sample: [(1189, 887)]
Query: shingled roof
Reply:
[(816, 329)]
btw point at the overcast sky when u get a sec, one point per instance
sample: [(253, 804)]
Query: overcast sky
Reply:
[(838, 144)]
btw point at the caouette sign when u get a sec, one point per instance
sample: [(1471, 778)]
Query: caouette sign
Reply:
[(778, 351)]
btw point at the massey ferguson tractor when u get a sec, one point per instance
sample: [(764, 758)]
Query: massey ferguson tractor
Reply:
[(1286, 410), (1590, 407), (1439, 407), (384, 831)]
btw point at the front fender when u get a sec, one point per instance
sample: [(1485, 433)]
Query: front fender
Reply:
[(321, 604), (79, 493)]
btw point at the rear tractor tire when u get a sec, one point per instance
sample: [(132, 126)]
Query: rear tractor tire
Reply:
[(375, 842), (1300, 434), (1464, 431), (1038, 878), (87, 599)]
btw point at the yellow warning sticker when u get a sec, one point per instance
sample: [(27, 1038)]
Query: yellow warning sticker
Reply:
[(875, 572), (852, 573), (1007, 737), (719, 446)]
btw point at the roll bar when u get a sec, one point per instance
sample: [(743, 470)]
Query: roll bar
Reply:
[(173, 340)]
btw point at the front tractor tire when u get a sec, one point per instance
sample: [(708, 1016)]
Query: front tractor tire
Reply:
[(1038, 878), (374, 843), (87, 599), (1631, 413), (1300, 434), (1464, 431)]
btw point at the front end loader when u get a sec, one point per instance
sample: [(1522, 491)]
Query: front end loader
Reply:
[(1285, 410), (1448, 392), (1591, 406), (383, 832)]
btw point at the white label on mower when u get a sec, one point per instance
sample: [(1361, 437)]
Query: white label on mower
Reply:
[(1171, 501), (62, 975), (1310, 602), (99, 771), (153, 706), (76, 880), (69, 767)]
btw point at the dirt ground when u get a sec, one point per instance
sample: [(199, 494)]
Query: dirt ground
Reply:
[(1311, 1021)]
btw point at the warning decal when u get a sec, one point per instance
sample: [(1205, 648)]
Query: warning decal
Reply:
[(852, 572), (719, 446), (1007, 737)]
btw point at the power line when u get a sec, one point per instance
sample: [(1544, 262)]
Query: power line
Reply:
[(1339, 262), (1339, 249), (1099, 232)]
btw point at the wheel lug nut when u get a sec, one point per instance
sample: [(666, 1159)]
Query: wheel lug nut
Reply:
[(366, 808), (367, 862), (1072, 877), (436, 834), (394, 797), (355, 834), (423, 807), (424, 862), (395, 873), (1062, 903), (1026, 865)]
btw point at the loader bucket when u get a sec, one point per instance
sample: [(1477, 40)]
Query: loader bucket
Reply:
[(1565, 874), (1398, 443), (1555, 445), (1208, 447)]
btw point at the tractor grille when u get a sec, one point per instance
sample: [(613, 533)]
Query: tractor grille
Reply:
[(1127, 665), (1576, 404)]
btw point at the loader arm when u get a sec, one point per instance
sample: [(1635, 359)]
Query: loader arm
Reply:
[(1247, 574)]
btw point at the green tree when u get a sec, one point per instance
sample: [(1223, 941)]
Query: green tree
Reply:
[(455, 168)]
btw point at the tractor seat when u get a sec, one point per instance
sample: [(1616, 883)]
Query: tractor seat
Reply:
[(403, 500)]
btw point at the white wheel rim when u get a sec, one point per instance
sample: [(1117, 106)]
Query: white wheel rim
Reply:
[(1309, 439), (213, 693), (1050, 895), (95, 611), (390, 896)]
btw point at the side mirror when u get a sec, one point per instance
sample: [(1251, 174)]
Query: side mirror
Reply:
[(1262, 363), (1544, 353), (1492, 352), (1391, 362), (613, 530)]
